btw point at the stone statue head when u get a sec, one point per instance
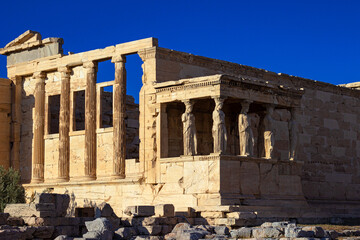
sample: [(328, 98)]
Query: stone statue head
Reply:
[(245, 107), (188, 106), (270, 109), (219, 103)]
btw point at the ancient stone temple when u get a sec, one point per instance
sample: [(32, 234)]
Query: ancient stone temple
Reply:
[(206, 134)]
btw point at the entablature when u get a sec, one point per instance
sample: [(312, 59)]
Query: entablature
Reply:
[(228, 86)]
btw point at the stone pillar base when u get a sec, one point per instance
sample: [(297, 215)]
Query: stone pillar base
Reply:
[(117, 176), (62, 179), (87, 178), (37, 180)]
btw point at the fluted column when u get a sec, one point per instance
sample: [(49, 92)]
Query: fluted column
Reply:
[(90, 120), (119, 112), (39, 119), (64, 140)]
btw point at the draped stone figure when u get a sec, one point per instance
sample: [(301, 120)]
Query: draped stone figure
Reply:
[(189, 130), (269, 132), (219, 128), (246, 137), (293, 134)]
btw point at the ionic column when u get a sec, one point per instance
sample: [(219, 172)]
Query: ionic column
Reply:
[(90, 120), (39, 119), (119, 112), (64, 140)]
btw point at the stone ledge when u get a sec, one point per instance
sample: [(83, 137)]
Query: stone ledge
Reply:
[(227, 158), (81, 183)]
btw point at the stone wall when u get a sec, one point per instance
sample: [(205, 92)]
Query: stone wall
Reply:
[(329, 141)]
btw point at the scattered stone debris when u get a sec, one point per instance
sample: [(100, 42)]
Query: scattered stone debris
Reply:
[(143, 223)]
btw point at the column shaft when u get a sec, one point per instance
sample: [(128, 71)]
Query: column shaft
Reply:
[(119, 112), (64, 139), (39, 119), (90, 120)]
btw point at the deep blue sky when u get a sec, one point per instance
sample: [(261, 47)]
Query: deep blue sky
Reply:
[(318, 39)]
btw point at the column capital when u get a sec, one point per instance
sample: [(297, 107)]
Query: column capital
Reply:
[(118, 58), (39, 75), (246, 101), (188, 101), (90, 65), (64, 69)]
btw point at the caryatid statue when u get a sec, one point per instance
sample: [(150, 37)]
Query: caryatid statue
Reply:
[(293, 134), (219, 128), (189, 130), (246, 137), (269, 132)]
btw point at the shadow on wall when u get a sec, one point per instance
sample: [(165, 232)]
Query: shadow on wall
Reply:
[(26, 136)]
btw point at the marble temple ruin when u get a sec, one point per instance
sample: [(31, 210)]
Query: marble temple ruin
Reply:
[(206, 134)]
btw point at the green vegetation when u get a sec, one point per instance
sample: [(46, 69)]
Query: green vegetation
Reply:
[(11, 190)]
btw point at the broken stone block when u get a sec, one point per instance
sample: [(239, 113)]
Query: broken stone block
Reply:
[(241, 215), (180, 226), (15, 221), (3, 218), (318, 231), (27, 210), (166, 229), (44, 198), (63, 237), (106, 235), (332, 234), (103, 210), (243, 232), (169, 221), (62, 203), (140, 211), (281, 225), (125, 233), (98, 225), (268, 232), (44, 231), (192, 233), (164, 210), (221, 230), (298, 233), (149, 230)]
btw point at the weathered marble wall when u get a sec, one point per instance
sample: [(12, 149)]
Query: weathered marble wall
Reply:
[(329, 133)]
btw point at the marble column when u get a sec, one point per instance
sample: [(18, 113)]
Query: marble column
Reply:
[(64, 139), (90, 120), (119, 112), (39, 127)]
